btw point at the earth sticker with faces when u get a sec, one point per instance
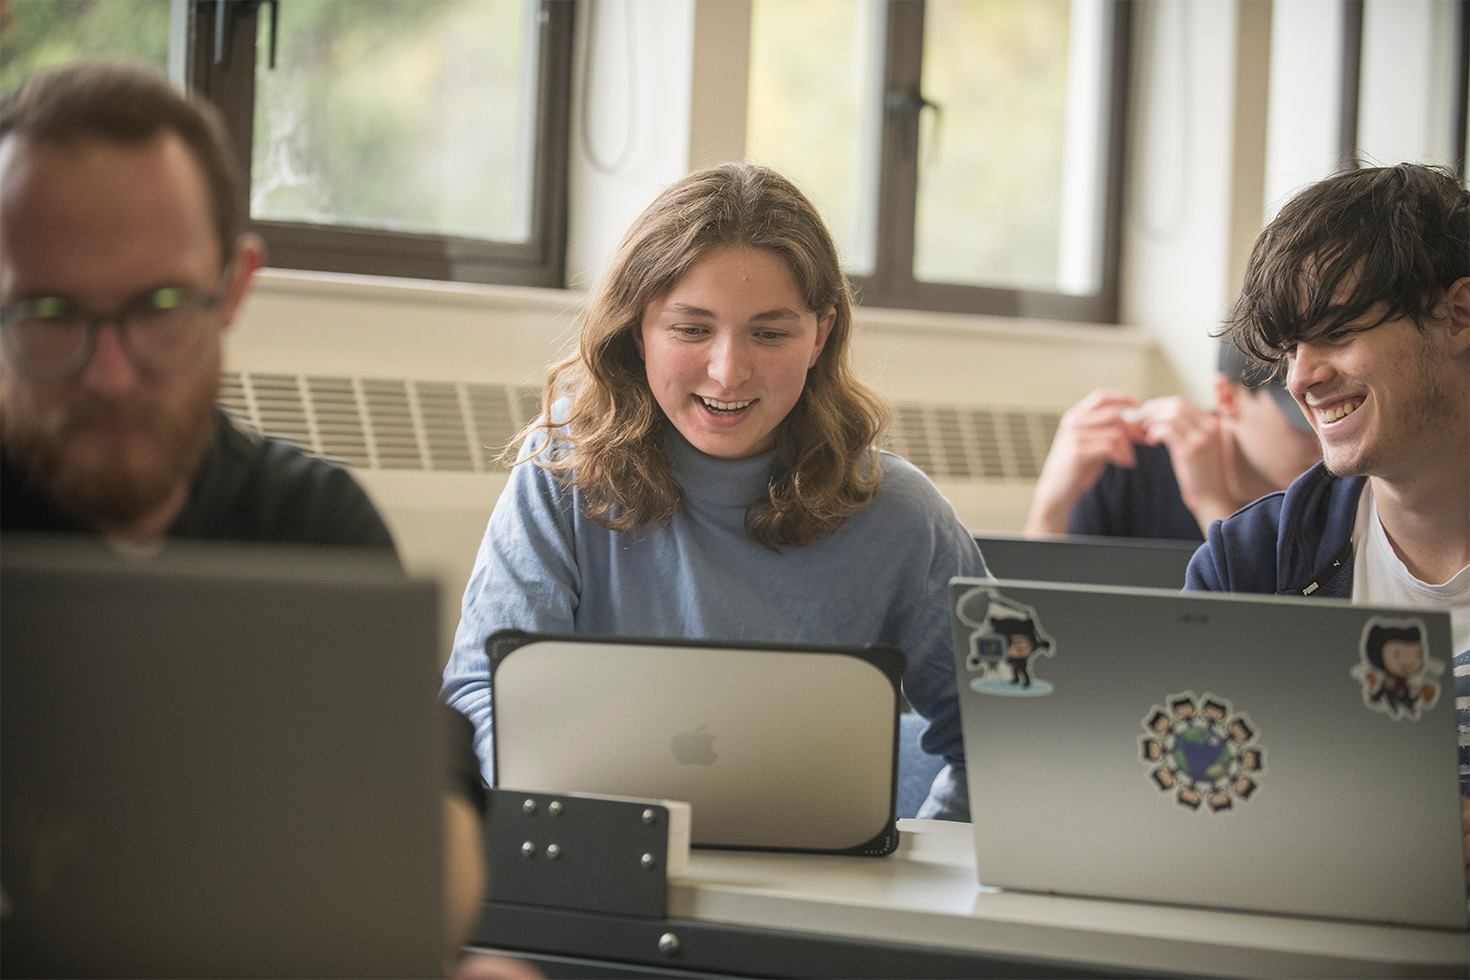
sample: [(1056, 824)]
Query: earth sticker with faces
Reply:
[(1202, 753)]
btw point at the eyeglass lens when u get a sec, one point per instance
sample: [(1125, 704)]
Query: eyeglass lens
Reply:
[(160, 330)]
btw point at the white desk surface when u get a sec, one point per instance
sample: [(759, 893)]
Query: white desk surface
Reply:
[(926, 893)]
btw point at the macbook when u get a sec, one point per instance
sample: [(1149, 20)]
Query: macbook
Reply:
[(774, 747)]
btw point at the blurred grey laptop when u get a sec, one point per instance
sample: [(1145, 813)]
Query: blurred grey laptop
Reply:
[(1148, 562), (775, 747), (1258, 753), (218, 761)]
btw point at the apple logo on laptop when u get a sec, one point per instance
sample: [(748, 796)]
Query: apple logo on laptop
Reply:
[(696, 748)]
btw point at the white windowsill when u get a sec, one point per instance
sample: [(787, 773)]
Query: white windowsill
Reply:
[(556, 302)]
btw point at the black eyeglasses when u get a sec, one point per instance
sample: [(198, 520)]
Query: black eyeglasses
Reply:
[(162, 330)]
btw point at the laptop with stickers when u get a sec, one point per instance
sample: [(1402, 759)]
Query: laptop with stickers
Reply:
[(1148, 562), (775, 747), (1259, 753)]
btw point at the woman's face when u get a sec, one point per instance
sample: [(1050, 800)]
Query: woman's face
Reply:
[(728, 349)]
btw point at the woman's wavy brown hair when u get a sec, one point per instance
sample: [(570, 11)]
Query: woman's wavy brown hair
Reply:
[(613, 430)]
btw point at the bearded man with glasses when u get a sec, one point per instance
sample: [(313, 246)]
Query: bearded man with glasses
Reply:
[(123, 263), (122, 266)]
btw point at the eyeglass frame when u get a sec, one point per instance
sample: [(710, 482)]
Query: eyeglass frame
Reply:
[(120, 317)]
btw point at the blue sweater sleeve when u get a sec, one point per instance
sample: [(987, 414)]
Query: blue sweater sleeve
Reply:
[(525, 577), (930, 684)]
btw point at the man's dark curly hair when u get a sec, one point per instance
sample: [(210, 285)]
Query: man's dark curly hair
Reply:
[(1350, 252)]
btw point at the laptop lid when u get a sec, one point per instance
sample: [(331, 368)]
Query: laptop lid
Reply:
[(775, 747), (1244, 752), (222, 760), (1147, 562)]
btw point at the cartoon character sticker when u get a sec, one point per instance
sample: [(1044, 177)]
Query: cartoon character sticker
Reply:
[(1398, 677), (1005, 636), (1201, 752)]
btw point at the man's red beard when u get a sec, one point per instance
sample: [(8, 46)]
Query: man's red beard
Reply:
[(116, 487)]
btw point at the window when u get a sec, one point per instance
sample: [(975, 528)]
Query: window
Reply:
[(423, 139), (966, 152)]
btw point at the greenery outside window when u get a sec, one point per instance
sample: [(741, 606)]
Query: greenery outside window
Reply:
[(36, 33)]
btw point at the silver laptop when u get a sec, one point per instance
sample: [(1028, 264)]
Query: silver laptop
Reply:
[(218, 761), (1154, 563), (774, 747), (1259, 753)]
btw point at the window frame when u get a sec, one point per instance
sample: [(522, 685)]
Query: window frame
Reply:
[(538, 262), (892, 283)]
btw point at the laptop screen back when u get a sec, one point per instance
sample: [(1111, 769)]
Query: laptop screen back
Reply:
[(1146, 562), (1206, 749), (218, 761), (774, 747)]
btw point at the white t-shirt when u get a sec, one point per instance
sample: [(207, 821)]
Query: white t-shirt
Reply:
[(1380, 578)]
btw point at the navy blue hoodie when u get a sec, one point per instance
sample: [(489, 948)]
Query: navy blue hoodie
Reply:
[(1294, 542)]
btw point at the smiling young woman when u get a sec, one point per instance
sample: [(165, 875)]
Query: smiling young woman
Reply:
[(746, 240), (706, 466)]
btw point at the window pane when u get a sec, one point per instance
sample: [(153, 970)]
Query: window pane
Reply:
[(406, 117), (1009, 189), (826, 140), (35, 33)]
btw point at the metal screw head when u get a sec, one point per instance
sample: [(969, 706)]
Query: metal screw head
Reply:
[(649, 816), (528, 807), (668, 944), (648, 862), (528, 850), (555, 808), (553, 851)]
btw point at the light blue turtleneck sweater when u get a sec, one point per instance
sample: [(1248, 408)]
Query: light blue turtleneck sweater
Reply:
[(883, 578)]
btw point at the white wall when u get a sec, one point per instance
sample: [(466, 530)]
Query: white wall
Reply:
[(1306, 71), (635, 120)]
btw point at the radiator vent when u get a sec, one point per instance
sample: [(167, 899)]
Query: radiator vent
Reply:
[(407, 424)]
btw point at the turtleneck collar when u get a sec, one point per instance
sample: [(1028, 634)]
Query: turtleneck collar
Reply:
[(724, 482)]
